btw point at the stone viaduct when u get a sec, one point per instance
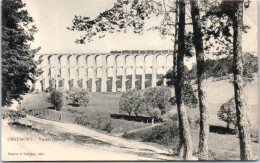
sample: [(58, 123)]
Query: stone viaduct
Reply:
[(103, 72)]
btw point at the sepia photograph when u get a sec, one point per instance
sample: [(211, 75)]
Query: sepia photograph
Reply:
[(129, 80)]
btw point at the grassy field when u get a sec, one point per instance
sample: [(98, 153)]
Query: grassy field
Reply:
[(97, 116), (221, 146), (218, 92)]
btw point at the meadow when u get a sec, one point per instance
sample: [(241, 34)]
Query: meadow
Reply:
[(97, 116)]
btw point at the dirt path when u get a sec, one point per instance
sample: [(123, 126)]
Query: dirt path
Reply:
[(80, 144)]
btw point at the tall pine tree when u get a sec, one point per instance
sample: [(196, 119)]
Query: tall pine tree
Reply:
[(18, 65)]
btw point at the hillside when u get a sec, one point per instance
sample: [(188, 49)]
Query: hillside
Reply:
[(218, 92)]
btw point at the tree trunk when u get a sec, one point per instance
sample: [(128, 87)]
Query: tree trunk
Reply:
[(175, 51), (183, 119), (180, 149), (228, 126), (242, 121), (204, 118)]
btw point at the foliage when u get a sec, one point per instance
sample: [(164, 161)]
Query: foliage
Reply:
[(131, 101), (154, 112), (166, 134), (124, 14), (97, 120), (214, 68), (158, 97), (227, 113), (217, 25), (79, 97), (155, 101), (172, 115), (223, 67), (18, 65), (218, 68), (108, 128), (193, 118), (140, 105), (190, 98), (12, 115), (103, 121), (250, 65), (56, 99)]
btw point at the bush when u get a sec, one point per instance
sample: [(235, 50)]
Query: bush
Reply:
[(193, 119), (172, 116), (56, 99), (13, 115), (155, 113), (131, 101), (79, 97), (166, 134), (108, 127), (94, 120), (254, 135)]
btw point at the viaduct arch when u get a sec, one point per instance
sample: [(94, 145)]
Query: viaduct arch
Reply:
[(103, 72)]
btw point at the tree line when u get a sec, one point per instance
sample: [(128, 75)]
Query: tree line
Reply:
[(217, 68)]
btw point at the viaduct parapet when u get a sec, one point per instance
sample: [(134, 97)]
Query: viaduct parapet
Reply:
[(103, 72)]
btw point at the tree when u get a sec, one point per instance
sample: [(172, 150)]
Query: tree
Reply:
[(56, 99), (18, 65), (158, 97), (185, 134), (154, 113), (204, 117), (140, 105), (131, 101), (242, 121), (227, 113), (79, 97)]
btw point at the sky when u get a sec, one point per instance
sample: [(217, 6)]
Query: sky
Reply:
[(53, 16)]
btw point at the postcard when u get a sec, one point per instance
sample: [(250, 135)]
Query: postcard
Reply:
[(129, 80)]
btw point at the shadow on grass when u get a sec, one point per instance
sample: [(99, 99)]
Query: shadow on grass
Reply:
[(23, 127), (136, 118), (74, 105), (222, 130), (19, 125), (51, 108)]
